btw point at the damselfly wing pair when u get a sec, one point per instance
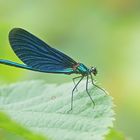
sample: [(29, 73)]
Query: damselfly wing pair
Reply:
[(39, 56)]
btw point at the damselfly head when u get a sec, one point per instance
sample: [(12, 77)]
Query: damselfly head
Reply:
[(94, 70)]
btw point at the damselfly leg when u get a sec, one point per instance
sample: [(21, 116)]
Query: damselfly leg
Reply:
[(74, 81), (88, 91), (74, 90), (97, 85)]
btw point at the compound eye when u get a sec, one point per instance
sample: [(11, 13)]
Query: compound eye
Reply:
[(94, 71)]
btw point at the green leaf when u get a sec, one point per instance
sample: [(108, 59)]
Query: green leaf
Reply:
[(115, 135), (7, 124), (44, 108)]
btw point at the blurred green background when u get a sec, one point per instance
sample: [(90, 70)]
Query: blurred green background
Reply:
[(105, 34)]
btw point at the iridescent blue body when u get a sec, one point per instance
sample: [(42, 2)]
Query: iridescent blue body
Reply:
[(39, 56), (80, 69)]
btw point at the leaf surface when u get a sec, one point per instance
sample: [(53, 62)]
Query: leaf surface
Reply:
[(44, 108)]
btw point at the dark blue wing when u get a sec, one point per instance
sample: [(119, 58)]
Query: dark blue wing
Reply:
[(37, 54)]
